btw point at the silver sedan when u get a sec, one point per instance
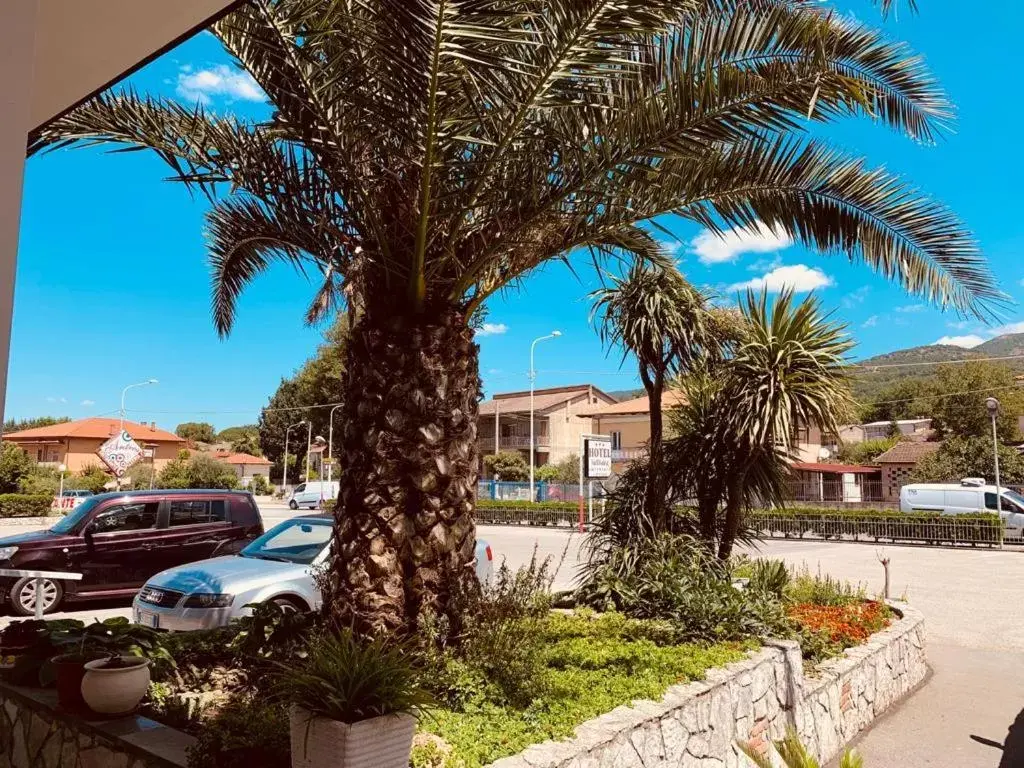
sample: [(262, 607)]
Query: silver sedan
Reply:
[(277, 567)]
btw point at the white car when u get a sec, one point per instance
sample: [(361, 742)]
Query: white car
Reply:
[(277, 567), (313, 494), (971, 496)]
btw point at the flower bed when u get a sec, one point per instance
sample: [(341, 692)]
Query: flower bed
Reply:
[(828, 630)]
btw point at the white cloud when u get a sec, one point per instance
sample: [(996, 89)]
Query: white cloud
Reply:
[(56, 399), (760, 238), (222, 80), (1022, 281), (88, 403), (959, 325), (1017, 327), (799, 277), (851, 300), (492, 329), (871, 322), (968, 341), (911, 308)]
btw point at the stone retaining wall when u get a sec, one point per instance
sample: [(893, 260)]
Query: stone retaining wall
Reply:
[(754, 701), (34, 735)]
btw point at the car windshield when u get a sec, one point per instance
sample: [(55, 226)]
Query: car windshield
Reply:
[(1015, 497), (76, 516), (293, 541)]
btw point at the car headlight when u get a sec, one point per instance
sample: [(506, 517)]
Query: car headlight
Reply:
[(6, 553), (209, 600)]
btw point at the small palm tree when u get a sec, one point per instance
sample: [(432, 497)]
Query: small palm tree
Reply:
[(423, 155), (735, 430), (653, 313)]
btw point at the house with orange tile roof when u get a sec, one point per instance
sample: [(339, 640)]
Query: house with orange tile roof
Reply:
[(246, 465), (75, 443), (503, 423)]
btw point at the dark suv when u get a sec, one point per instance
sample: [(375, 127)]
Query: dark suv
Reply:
[(118, 540)]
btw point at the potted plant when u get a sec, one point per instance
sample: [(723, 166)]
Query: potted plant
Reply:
[(354, 703), (23, 647), (115, 684)]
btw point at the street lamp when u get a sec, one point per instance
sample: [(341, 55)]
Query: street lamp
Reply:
[(992, 405), (533, 378), (124, 391), (284, 479), (330, 442)]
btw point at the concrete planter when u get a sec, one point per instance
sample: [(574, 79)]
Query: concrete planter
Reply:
[(381, 742), (115, 690)]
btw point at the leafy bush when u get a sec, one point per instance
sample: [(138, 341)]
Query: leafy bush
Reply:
[(769, 577), (866, 451), (199, 470), (679, 579), (14, 465), (41, 481), (822, 589), (246, 732), (348, 678), (508, 465), (25, 505), (91, 477), (259, 485)]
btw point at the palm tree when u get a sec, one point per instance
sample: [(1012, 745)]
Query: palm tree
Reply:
[(422, 155), (653, 313), (735, 430)]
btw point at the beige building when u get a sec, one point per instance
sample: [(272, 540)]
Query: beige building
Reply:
[(504, 422), (898, 464), (74, 443), (628, 424)]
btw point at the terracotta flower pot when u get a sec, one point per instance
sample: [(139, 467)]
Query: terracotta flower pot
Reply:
[(115, 689), (380, 742)]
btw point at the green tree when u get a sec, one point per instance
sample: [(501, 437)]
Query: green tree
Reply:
[(230, 434), (508, 465), (15, 465), (866, 451), (961, 457), (657, 317), (91, 477), (317, 382), (197, 470), (957, 400), (735, 430), (17, 425), (196, 431), (422, 157), (901, 400), (565, 471), (247, 442)]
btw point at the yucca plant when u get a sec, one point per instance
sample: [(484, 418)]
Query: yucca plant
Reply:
[(423, 155), (795, 755), (348, 678)]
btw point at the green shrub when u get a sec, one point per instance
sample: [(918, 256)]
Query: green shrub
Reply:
[(245, 732), (14, 465), (25, 505), (91, 478), (259, 485), (983, 527), (822, 589)]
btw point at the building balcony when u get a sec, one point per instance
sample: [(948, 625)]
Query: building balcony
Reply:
[(512, 442)]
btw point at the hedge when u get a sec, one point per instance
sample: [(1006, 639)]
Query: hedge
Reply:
[(25, 505), (875, 525)]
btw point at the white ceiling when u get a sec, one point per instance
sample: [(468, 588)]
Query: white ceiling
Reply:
[(84, 45)]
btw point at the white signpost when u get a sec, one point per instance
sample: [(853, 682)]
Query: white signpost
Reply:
[(119, 453), (596, 462)]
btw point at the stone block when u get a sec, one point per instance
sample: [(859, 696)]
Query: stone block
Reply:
[(674, 737)]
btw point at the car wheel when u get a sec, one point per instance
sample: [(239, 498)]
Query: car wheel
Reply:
[(23, 596), (288, 605), (293, 504)]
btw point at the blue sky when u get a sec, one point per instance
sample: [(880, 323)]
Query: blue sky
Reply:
[(113, 287)]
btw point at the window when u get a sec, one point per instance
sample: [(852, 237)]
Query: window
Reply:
[(800, 434), (196, 512), (990, 501), (299, 488), (616, 441), (39, 454), (127, 517)]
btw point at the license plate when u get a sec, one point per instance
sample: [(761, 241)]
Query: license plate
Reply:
[(149, 619)]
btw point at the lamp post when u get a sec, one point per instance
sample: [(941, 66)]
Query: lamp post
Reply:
[(533, 378), (330, 442), (124, 391), (309, 445), (992, 405), (284, 479)]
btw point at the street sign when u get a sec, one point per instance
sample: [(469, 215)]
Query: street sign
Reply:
[(119, 453), (597, 457)]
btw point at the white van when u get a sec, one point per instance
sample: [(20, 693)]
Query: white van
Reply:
[(312, 494), (970, 496)]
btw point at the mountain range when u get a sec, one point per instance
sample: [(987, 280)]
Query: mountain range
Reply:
[(904, 363)]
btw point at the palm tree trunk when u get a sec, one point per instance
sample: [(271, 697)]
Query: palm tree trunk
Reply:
[(733, 515), (404, 531), (654, 495)]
